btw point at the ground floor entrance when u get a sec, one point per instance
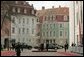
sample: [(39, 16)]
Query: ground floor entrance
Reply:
[(6, 43)]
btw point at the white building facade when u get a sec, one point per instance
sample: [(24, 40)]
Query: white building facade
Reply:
[(24, 25), (24, 29), (76, 22), (54, 25)]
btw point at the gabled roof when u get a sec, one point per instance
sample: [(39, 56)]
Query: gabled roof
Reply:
[(53, 11)]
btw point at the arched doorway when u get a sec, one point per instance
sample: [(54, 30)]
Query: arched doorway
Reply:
[(6, 43)]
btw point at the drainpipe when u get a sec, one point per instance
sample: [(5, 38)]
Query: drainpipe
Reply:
[(74, 20)]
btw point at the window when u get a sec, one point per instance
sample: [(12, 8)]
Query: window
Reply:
[(51, 26), (65, 34), (25, 11), (23, 20), (50, 41), (18, 10), (54, 25), (68, 17), (23, 30), (47, 34), (19, 30), (60, 25), (13, 9), (16, 2), (50, 33), (76, 2), (47, 26), (54, 33), (13, 30), (37, 20), (13, 20), (54, 40), (65, 18), (27, 30), (43, 33), (32, 21), (60, 33), (32, 11)]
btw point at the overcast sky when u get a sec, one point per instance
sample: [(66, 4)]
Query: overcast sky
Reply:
[(48, 4)]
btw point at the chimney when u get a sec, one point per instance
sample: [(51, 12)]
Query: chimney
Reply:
[(53, 7), (32, 5), (59, 6), (43, 7)]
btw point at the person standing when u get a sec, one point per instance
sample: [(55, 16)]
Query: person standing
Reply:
[(18, 49), (65, 47), (47, 47)]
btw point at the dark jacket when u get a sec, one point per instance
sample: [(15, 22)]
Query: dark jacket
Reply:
[(18, 49)]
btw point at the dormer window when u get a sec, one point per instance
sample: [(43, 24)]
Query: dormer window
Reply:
[(13, 9), (65, 18), (25, 11), (32, 11), (16, 2), (18, 10)]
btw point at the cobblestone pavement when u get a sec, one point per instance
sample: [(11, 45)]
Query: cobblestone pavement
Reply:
[(58, 53), (8, 53), (27, 52)]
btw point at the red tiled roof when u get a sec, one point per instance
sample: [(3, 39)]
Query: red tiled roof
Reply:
[(59, 12)]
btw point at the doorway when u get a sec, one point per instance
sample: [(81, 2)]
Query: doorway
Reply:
[(6, 43)]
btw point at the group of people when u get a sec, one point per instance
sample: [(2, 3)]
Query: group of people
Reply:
[(18, 48)]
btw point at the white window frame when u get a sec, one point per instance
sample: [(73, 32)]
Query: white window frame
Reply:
[(32, 11), (13, 30), (18, 10), (25, 11), (27, 30), (16, 2), (62, 34), (65, 18), (13, 9)]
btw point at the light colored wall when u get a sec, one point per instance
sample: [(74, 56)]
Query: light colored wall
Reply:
[(28, 38), (71, 22)]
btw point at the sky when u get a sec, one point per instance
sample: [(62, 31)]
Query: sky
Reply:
[(48, 4)]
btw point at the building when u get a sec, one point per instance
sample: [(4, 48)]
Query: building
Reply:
[(54, 25), (23, 23), (5, 25), (76, 22)]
